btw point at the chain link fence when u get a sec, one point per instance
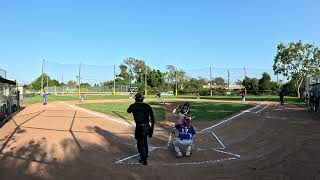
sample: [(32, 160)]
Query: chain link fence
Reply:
[(104, 79)]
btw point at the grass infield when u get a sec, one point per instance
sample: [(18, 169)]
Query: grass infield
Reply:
[(120, 110), (202, 111)]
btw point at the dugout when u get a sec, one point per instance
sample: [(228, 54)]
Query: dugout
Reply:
[(9, 98)]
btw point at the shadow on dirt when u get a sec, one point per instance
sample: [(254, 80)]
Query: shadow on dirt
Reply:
[(88, 154)]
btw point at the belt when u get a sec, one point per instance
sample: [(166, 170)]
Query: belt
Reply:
[(143, 124)]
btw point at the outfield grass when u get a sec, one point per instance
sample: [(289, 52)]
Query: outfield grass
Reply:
[(120, 110), (202, 111), (52, 98), (288, 99)]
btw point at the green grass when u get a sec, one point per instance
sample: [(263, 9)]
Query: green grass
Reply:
[(213, 111), (52, 98), (202, 111), (288, 99), (38, 99), (120, 110)]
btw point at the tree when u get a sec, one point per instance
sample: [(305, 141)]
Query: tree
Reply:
[(124, 73), (251, 85), (219, 81), (265, 82), (297, 60), (36, 84), (85, 85), (72, 84), (155, 78), (137, 67), (174, 75), (195, 85)]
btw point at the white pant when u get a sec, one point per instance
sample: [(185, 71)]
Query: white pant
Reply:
[(178, 143)]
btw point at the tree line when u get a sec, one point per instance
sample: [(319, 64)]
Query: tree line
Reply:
[(295, 61)]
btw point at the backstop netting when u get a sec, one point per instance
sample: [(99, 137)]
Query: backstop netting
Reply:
[(220, 81), (93, 79)]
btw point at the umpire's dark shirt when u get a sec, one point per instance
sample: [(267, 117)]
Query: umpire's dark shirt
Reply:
[(141, 112)]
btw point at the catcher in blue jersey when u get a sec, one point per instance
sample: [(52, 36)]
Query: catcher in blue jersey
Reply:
[(185, 137)]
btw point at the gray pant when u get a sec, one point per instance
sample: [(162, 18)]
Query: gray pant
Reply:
[(178, 143)]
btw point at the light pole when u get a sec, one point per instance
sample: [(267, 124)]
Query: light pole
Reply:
[(141, 75)]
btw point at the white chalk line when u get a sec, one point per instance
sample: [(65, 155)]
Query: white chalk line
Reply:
[(135, 155), (237, 115), (262, 109), (229, 153), (236, 156), (99, 114), (201, 162), (223, 146), (190, 163), (170, 137)]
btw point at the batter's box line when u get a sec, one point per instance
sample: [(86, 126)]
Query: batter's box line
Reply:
[(188, 163), (219, 150), (135, 155), (201, 162)]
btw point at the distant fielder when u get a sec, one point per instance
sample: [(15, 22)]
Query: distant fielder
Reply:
[(44, 98), (160, 98)]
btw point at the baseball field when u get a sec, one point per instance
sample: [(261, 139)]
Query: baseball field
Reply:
[(93, 139)]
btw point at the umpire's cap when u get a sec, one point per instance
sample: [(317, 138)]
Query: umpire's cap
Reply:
[(139, 97)]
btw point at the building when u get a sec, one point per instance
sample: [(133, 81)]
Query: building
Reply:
[(9, 98)]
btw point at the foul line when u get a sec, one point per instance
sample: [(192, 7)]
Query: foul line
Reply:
[(219, 150), (230, 118), (98, 114), (262, 109)]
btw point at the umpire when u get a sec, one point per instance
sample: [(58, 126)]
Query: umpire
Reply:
[(141, 113)]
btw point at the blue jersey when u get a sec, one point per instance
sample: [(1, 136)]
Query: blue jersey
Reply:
[(185, 132), (44, 95)]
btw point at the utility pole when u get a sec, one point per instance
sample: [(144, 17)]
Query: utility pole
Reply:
[(245, 72), (41, 91), (211, 83), (141, 75), (228, 79), (47, 83), (114, 80), (79, 76), (62, 83), (176, 83), (145, 83)]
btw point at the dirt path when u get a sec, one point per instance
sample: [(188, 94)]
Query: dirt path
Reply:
[(60, 141)]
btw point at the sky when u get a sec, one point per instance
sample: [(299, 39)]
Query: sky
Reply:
[(188, 34)]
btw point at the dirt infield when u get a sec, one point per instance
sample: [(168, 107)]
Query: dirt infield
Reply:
[(62, 141)]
